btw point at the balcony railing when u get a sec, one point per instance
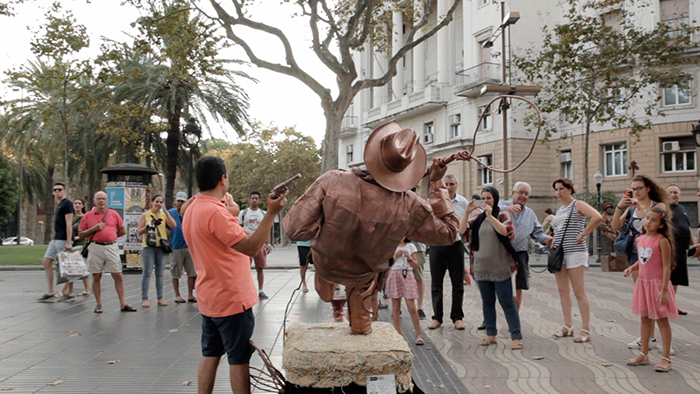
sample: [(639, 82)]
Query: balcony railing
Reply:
[(468, 82), (349, 124)]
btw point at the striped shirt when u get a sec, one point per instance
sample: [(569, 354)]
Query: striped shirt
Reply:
[(576, 225)]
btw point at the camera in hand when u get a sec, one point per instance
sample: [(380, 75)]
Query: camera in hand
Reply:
[(691, 252), (158, 221)]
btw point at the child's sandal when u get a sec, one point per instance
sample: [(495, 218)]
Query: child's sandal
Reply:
[(560, 334), (633, 362), (663, 368), (583, 338)]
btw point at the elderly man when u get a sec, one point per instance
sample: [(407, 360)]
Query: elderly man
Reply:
[(682, 238), (450, 259), (355, 219), (103, 226), (526, 226)]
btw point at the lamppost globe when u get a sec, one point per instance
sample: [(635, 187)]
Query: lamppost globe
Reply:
[(598, 177)]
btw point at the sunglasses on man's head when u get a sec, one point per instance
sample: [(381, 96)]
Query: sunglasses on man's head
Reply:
[(57, 190)]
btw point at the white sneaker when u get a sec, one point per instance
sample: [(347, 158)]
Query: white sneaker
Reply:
[(672, 352), (637, 343)]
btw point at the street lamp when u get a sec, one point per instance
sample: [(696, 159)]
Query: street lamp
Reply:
[(696, 133), (598, 179), (506, 20), (19, 170), (192, 135)]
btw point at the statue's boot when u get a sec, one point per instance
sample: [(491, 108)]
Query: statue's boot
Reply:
[(362, 304)]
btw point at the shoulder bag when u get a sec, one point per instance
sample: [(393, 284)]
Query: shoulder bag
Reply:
[(165, 244), (85, 252), (625, 240), (556, 255)]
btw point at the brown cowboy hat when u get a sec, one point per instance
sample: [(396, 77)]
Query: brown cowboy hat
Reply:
[(394, 157)]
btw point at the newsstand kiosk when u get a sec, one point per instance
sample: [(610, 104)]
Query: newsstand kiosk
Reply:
[(129, 193)]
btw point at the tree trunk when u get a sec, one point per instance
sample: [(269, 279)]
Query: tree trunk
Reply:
[(91, 188), (334, 119), (587, 138), (173, 147), (48, 204)]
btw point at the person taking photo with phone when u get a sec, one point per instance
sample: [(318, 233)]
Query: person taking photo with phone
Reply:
[(152, 226)]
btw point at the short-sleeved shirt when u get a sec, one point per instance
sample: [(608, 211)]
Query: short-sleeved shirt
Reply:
[(112, 223), (59, 221), (176, 238), (401, 262), (460, 204), (250, 219), (224, 284), (304, 243)]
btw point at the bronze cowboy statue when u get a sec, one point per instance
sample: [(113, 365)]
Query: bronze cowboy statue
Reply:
[(355, 219)]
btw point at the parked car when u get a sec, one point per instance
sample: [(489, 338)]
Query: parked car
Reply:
[(13, 241)]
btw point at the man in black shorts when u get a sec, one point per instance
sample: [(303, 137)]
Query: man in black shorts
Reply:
[(303, 248)]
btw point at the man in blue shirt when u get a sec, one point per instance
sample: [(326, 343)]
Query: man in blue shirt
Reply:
[(181, 257), (526, 226)]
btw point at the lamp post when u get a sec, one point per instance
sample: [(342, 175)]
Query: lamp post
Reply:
[(19, 170), (192, 135), (598, 179), (506, 20)]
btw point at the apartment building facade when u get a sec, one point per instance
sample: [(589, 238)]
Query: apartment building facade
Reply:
[(437, 92)]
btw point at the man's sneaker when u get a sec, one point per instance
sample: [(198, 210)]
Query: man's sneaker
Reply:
[(637, 343), (262, 295), (383, 306), (421, 314)]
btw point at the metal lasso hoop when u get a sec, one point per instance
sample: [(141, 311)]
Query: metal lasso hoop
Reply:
[(455, 156)]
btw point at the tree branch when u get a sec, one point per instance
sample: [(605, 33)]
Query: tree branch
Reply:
[(292, 69), (321, 50)]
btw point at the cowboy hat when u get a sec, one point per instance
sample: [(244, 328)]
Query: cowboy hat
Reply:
[(394, 157)]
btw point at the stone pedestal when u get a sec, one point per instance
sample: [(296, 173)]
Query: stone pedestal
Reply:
[(613, 264), (327, 355)]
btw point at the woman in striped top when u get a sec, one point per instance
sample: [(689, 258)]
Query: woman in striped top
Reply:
[(572, 274)]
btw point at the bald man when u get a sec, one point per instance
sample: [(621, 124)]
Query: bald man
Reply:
[(102, 227)]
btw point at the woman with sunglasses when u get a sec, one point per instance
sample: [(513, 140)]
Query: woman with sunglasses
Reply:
[(643, 194)]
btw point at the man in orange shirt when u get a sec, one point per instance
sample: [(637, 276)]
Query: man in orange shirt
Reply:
[(221, 251)]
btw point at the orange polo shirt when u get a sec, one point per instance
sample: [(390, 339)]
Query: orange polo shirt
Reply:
[(224, 283)]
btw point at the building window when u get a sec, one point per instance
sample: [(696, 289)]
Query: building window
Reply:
[(615, 159), (455, 125), (348, 154), (675, 96), (678, 154), (486, 120), (566, 167), (485, 175), (674, 14), (428, 133)]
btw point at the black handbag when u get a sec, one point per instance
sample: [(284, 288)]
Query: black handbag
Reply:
[(165, 244), (85, 251), (625, 240), (556, 255)]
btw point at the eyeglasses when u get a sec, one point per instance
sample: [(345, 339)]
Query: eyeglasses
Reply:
[(450, 184), (57, 190), (522, 193), (638, 188)]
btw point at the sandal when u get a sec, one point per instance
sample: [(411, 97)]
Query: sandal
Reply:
[(47, 296), (98, 309), (162, 302), (145, 304), (663, 368), (516, 345), (180, 301), (193, 299), (84, 293), (561, 334), (633, 362), (419, 340), (489, 341), (583, 338), (128, 308)]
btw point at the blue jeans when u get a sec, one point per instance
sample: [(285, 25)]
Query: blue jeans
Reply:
[(504, 291), (152, 256)]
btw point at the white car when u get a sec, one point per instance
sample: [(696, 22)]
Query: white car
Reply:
[(13, 241)]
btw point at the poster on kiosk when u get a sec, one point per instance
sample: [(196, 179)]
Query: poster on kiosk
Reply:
[(130, 200)]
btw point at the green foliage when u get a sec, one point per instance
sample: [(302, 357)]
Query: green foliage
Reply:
[(593, 72), (9, 189), (61, 35), (592, 198), (268, 155)]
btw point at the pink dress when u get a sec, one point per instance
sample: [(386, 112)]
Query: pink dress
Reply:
[(645, 301)]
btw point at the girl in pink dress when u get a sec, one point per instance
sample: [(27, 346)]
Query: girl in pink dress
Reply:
[(402, 284), (654, 299)]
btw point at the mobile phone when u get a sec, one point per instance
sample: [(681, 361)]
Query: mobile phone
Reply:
[(628, 193), (478, 203), (276, 189), (691, 252)]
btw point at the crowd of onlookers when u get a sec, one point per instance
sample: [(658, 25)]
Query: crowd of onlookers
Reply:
[(649, 226)]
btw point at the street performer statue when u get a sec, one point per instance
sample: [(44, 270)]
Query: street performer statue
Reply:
[(355, 219)]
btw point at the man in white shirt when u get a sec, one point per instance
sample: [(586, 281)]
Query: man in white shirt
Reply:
[(250, 219), (449, 258)]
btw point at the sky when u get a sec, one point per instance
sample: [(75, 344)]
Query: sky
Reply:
[(276, 99)]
